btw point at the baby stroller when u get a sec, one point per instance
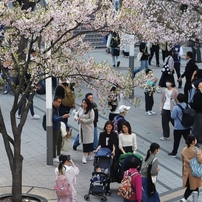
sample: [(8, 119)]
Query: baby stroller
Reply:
[(124, 162), (100, 181)]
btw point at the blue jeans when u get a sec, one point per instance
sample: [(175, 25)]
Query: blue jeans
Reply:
[(116, 5), (95, 143), (76, 141), (31, 107), (144, 64), (9, 78)]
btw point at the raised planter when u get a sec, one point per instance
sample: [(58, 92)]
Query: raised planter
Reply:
[(25, 198), (38, 194)]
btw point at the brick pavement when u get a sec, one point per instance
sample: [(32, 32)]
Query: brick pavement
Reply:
[(148, 129)]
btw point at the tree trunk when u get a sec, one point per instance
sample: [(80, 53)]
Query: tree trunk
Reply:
[(17, 167)]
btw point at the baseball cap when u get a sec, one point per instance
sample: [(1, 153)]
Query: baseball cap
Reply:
[(123, 108)]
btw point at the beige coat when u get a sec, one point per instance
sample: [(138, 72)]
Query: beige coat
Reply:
[(86, 128), (187, 155)]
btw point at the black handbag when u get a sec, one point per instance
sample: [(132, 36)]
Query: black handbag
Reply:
[(116, 51), (151, 188)]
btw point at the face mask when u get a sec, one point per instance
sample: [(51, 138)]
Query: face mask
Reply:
[(168, 84)]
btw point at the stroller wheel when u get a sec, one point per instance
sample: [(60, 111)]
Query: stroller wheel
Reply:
[(87, 197), (103, 198)]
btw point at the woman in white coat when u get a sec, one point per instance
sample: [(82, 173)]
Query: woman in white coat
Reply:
[(66, 167), (85, 117)]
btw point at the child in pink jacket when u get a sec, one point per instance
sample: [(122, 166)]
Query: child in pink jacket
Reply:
[(136, 181)]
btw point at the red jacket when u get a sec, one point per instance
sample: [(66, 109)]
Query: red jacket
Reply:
[(136, 184)]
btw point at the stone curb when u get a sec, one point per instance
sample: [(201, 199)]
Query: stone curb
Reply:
[(41, 193)]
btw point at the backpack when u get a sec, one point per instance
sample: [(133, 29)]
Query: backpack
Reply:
[(187, 116), (115, 123), (44, 122), (69, 98), (41, 90), (115, 41), (62, 187), (125, 188)]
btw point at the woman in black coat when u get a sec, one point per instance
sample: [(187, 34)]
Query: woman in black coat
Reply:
[(108, 138)]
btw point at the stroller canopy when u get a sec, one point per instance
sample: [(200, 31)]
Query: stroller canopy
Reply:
[(103, 152)]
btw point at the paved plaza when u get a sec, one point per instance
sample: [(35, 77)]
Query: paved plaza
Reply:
[(39, 177)]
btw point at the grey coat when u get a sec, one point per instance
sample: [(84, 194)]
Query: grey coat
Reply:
[(145, 164), (86, 128)]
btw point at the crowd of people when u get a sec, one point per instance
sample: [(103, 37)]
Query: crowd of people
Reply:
[(118, 135), (126, 142)]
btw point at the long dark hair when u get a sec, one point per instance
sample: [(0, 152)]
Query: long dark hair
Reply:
[(152, 148), (127, 124), (89, 105), (190, 139)]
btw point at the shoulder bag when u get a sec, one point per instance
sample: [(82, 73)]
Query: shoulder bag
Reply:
[(196, 167), (151, 188), (165, 69), (139, 56)]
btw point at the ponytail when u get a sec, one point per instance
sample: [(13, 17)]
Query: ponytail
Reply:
[(148, 154), (62, 159), (153, 147), (61, 168)]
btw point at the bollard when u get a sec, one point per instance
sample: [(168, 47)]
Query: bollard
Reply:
[(195, 196), (131, 60)]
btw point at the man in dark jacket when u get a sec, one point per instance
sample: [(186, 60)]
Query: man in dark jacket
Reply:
[(154, 50), (60, 92), (197, 106), (56, 118), (189, 70)]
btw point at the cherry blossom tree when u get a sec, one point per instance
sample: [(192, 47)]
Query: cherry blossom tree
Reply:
[(56, 32), (167, 20)]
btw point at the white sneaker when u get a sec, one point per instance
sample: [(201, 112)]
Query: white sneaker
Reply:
[(183, 200), (148, 113), (18, 116), (56, 160), (35, 116), (164, 138), (89, 158), (152, 112), (84, 160)]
